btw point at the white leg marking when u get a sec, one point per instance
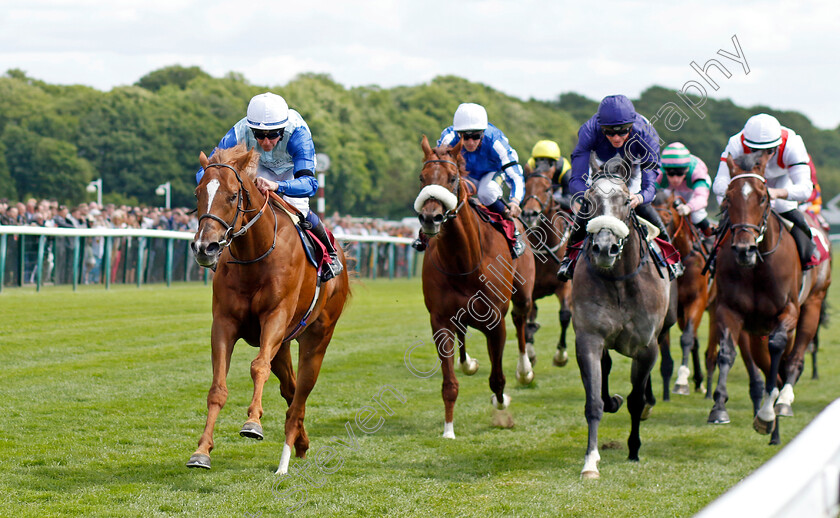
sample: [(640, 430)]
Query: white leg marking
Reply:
[(283, 468), (682, 375), (524, 372), (786, 395), (767, 413), (504, 404), (448, 430), (590, 464)]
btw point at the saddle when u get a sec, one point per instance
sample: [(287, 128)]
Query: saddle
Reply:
[(505, 226), (316, 252)]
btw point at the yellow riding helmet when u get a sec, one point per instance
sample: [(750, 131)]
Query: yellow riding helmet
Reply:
[(546, 149)]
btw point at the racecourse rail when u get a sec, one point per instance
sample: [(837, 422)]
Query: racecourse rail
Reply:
[(39, 255)]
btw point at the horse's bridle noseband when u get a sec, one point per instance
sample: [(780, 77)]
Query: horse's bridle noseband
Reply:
[(230, 234)]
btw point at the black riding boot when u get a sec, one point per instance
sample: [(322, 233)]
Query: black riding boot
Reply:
[(330, 270), (578, 234), (801, 233)]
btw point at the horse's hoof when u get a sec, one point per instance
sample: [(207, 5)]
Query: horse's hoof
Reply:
[(764, 427), (590, 475), (646, 412), (700, 389), (252, 430), (526, 378), (500, 405), (561, 358), (718, 417), (783, 410), (615, 403), (199, 460), (470, 366), (681, 390)]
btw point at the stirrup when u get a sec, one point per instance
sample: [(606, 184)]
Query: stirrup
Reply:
[(565, 272), (518, 248), (330, 271), (676, 269)]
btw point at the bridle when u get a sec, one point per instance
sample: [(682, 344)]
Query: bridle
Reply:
[(450, 213), (230, 234), (757, 230), (543, 204)]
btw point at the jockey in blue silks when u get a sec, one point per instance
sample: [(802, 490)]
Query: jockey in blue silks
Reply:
[(489, 161), (287, 160), (616, 130)]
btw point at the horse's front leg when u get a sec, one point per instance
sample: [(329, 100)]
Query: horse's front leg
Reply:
[(589, 352), (728, 326), (272, 327), (446, 342), (222, 339), (531, 328), (780, 340)]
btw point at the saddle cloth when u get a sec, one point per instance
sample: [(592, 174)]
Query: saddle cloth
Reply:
[(499, 222), (821, 250)]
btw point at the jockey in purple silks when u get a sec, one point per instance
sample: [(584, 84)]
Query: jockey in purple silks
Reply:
[(616, 130)]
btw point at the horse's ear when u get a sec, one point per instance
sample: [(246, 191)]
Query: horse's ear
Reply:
[(456, 150), (762, 162), (730, 163), (593, 163), (203, 160), (253, 160), (427, 149)]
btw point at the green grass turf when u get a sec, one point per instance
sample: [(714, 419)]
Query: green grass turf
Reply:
[(102, 398)]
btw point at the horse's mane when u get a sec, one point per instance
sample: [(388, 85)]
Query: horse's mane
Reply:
[(238, 154)]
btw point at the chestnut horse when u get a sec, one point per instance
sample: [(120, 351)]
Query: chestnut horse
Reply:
[(469, 278), (548, 230), (265, 292), (619, 302), (761, 290), (692, 295)]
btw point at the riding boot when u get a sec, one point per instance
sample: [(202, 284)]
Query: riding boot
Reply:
[(705, 227), (420, 243), (518, 247), (567, 268), (801, 233), (335, 267)]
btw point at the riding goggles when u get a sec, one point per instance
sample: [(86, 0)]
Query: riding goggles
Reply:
[(263, 134), (472, 135), (612, 131), (676, 171)]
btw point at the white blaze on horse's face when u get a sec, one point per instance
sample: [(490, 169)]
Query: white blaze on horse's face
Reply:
[(746, 190), (212, 188), (612, 197)]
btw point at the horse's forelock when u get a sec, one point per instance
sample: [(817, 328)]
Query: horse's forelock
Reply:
[(748, 161)]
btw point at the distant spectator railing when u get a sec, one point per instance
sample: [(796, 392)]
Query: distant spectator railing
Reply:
[(38, 255)]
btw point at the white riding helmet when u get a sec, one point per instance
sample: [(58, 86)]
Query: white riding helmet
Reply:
[(268, 111), (762, 131), (470, 117)]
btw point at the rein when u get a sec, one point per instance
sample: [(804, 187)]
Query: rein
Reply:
[(230, 234)]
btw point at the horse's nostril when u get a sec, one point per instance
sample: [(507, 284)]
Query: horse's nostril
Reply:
[(212, 249), (596, 248), (438, 218), (613, 249)]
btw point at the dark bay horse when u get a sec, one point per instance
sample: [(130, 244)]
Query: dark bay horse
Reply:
[(548, 230), (619, 302), (761, 290), (692, 294), (469, 278), (264, 292)]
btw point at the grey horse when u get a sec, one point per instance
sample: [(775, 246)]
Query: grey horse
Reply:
[(620, 301)]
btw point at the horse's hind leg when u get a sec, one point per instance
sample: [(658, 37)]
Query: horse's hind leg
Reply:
[(666, 365), (531, 328), (312, 347), (637, 400), (468, 364), (611, 403), (222, 339), (524, 369), (561, 356), (282, 367)]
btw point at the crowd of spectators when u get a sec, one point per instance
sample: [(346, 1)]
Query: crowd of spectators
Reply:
[(49, 213)]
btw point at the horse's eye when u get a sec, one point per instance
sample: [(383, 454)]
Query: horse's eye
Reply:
[(232, 198)]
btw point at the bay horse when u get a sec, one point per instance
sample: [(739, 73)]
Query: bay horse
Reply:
[(548, 232), (692, 295), (264, 292), (469, 278), (619, 302), (761, 290)]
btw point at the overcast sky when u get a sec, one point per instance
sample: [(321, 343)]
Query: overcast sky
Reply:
[(524, 48)]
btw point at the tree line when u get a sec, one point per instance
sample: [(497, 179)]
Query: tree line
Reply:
[(54, 139)]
